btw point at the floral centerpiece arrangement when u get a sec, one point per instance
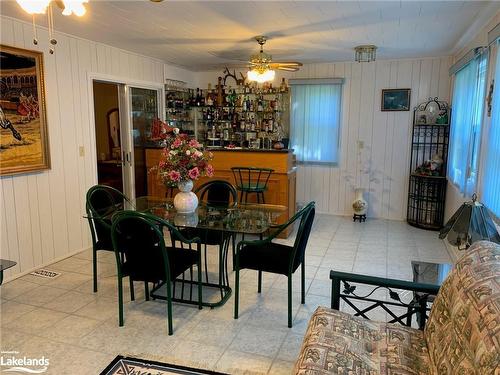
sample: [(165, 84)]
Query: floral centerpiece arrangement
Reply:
[(182, 161)]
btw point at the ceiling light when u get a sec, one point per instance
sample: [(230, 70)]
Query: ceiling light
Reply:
[(34, 6), (365, 53), (261, 75), (73, 6), (68, 7)]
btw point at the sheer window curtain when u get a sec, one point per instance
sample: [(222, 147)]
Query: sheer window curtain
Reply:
[(491, 170), (315, 122), (467, 115)]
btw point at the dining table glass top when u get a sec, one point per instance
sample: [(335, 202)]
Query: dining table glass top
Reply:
[(238, 218)]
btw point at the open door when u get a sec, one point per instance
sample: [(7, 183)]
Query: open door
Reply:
[(123, 118), (140, 107)]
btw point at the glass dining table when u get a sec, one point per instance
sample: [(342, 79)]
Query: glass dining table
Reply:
[(246, 219)]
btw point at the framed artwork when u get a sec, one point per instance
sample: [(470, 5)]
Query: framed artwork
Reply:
[(395, 100), (24, 143)]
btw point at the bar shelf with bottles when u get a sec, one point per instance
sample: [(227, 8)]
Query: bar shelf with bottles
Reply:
[(178, 108), (247, 116)]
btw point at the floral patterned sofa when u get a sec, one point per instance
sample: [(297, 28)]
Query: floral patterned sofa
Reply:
[(462, 335)]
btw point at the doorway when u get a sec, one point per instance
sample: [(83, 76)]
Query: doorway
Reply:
[(108, 134), (123, 117)]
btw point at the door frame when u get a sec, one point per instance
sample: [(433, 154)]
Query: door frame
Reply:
[(127, 82)]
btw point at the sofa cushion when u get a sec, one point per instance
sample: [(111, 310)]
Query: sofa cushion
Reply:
[(463, 330), (338, 343)]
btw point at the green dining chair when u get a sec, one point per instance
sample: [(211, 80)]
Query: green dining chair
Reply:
[(139, 236), (102, 202), (268, 256)]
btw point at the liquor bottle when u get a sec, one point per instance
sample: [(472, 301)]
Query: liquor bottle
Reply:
[(260, 108), (283, 86), (251, 106), (209, 101), (198, 97), (220, 97), (276, 103)]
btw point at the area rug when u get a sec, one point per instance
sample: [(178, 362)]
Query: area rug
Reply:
[(135, 366)]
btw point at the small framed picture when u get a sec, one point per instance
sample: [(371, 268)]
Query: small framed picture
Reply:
[(395, 100)]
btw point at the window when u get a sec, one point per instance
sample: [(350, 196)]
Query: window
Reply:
[(315, 120), (467, 115), (491, 171)]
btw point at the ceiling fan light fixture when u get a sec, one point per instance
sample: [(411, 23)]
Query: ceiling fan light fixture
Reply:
[(365, 53), (261, 76), (34, 6), (74, 7)]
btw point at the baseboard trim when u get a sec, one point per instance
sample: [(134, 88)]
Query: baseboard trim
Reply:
[(55, 260)]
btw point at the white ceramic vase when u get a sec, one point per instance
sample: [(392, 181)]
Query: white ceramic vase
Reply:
[(359, 205), (185, 201)]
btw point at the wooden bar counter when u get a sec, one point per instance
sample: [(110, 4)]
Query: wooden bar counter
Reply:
[(281, 185)]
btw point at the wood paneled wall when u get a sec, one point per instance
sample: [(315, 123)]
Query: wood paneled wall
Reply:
[(42, 213), (381, 167)]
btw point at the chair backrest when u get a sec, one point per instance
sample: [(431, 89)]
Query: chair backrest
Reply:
[(306, 215), (217, 193), (462, 333), (101, 202), (140, 238), (248, 178)]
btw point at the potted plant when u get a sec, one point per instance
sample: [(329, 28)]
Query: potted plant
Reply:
[(183, 161)]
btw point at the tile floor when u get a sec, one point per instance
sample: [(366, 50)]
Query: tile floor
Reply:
[(78, 330)]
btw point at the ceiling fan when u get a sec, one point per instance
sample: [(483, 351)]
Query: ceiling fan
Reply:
[(264, 60)]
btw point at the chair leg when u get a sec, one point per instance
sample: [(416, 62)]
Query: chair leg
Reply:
[(200, 290), (132, 294), (94, 268), (236, 291), (221, 266), (303, 283), (233, 236), (259, 285), (262, 196), (290, 301), (169, 309), (206, 263), (120, 301), (146, 290)]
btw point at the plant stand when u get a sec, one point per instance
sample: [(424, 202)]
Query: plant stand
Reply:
[(361, 218)]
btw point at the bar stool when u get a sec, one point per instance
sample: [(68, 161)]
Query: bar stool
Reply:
[(251, 180)]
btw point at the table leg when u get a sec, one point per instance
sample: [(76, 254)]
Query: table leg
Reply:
[(223, 284)]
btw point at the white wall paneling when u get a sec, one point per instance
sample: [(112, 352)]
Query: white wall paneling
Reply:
[(41, 217), (381, 167)]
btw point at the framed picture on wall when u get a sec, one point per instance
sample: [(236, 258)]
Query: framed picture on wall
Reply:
[(23, 123), (395, 100)]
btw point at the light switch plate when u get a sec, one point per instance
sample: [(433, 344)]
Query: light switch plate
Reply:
[(81, 150)]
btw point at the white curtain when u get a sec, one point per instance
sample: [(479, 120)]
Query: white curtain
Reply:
[(491, 171), (467, 115), (315, 122)]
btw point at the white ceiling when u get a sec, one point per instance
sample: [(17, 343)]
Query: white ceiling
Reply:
[(202, 35)]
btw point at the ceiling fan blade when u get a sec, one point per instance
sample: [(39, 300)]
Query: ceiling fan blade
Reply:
[(287, 69), (286, 63)]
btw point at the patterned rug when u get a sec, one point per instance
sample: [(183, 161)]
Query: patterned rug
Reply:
[(135, 366)]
